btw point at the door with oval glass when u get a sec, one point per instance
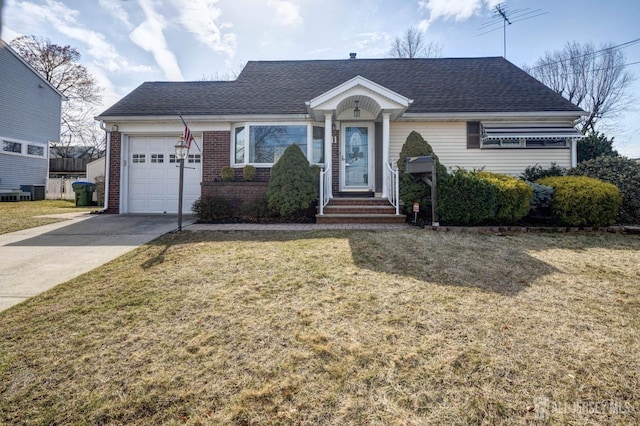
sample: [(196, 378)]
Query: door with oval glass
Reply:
[(357, 157)]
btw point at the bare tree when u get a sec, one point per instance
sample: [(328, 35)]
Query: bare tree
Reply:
[(411, 44), (60, 66), (595, 80)]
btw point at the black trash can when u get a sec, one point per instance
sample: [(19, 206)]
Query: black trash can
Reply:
[(84, 193)]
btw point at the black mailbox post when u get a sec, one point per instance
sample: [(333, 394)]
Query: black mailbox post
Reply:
[(425, 168)]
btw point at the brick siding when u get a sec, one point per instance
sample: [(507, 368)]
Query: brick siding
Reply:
[(114, 173)]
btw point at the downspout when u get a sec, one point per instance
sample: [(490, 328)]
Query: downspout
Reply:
[(106, 167)]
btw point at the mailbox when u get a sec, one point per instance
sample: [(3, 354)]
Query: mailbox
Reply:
[(419, 165)]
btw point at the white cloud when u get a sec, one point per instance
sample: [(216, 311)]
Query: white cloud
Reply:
[(115, 9), (458, 10), (200, 18), (150, 37), (287, 13)]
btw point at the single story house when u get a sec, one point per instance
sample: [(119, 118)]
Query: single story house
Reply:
[(30, 109), (351, 117)]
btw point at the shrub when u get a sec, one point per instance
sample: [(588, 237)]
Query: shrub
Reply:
[(593, 146), (248, 173), (513, 196), (584, 201), (414, 189), (533, 173), (622, 172), (292, 187), (257, 208), (541, 200), (466, 199), (227, 174), (211, 208)]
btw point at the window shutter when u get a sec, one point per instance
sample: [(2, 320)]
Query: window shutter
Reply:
[(473, 134)]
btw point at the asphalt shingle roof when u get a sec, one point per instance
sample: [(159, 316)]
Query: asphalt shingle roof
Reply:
[(437, 85)]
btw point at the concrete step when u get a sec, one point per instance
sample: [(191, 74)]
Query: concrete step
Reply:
[(360, 218), (359, 209), (356, 201)]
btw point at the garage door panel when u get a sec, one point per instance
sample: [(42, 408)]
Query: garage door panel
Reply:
[(153, 186)]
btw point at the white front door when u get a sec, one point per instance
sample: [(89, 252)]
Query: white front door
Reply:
[(356, 171)]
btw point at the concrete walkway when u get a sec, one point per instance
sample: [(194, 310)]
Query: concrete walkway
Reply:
[(35, 260)]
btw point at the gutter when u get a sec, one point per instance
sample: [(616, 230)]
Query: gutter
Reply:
[(107, 168)]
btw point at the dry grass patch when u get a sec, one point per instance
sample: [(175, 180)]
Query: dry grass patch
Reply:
[(345, 327), (15, 216)]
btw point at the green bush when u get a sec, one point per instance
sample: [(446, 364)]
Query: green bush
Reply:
[(257, 208), (594, 146), (533, 173), (248, 173), (622, 172), (211, 208), (466, 199), (584, 201), (227, 174), (541, 200), (513, 196), (293, 184), (414, 189)]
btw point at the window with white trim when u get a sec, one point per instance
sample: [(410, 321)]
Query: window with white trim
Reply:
[(37, 150), (194, 158), (157, 158), (263, 144), (139, 158)]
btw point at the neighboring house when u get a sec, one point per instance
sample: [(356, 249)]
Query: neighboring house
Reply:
[(30, 110), (350, 117)]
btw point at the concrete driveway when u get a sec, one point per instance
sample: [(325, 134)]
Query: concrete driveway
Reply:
[(37, 259)]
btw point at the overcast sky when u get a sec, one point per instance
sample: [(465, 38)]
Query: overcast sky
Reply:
[(126, 42)]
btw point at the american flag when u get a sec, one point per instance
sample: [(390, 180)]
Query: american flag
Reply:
[(188, 137)]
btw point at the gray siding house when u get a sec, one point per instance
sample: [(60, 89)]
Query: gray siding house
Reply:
[(30, 111)]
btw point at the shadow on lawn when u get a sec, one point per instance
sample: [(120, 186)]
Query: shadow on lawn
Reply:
[(499, 264)]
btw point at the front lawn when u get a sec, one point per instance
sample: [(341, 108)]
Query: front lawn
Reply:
[(15, 216), (335, 327)]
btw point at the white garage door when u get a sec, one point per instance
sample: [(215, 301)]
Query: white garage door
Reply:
[(154, 174)]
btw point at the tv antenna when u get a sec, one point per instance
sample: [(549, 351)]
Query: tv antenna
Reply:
[(504, 15)]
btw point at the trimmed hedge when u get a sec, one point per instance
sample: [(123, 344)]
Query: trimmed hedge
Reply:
[(211, 208), (533, 173), (622, 172), (466, 199), (584, 201), (513, 196), (414, 189), (293, 187)]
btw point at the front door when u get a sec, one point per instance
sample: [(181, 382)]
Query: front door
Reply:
[(357, 158)]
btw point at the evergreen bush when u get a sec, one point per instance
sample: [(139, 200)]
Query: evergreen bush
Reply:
[(414, 189), (622, 172), (466, 199), (583, 201), (533, 173), (227, 174), (541, 200), (293, 185), (513, 197), (248, 173), (212, 208), (257, 208)]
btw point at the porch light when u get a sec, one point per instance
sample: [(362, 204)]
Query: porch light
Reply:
[(356, 110), (182, 150)]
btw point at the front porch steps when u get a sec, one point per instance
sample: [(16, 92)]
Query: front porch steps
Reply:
[(359, 210)]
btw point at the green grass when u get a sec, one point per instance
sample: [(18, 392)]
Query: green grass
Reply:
[(16, 216), (350, 327)]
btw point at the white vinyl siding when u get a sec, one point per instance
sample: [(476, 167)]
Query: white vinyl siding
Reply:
[(449, 143)]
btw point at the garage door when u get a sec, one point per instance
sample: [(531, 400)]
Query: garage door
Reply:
[(154, 174)]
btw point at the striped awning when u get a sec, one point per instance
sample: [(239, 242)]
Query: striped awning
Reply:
[(536, 131)]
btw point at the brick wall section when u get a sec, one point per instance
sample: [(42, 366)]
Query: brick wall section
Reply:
[(114, 173), (236, 192), (216, 153)]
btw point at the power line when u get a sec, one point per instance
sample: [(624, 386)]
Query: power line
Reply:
[(594, 53)]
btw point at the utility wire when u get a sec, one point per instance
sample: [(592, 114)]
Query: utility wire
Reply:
[(594, 53)]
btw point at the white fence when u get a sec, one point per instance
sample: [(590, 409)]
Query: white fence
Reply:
[(60, 189)]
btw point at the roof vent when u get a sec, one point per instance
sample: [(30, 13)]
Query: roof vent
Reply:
[(352, 55)]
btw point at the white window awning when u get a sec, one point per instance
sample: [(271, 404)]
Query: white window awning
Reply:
[(492, 131)]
